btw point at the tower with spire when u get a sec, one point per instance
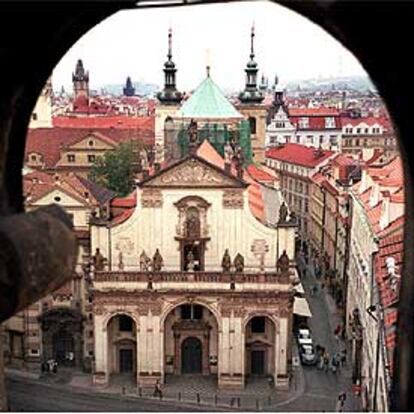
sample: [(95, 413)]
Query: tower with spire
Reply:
[(169, 95), (129, 89), (251, 93), (250, 104), (80, 80), (170, 99)]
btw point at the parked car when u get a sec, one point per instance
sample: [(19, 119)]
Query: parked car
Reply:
[(304, 337), (307, 354)]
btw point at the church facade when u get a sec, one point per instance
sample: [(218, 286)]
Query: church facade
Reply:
[(192, 280)]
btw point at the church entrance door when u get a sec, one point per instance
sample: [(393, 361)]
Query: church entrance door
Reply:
[(126, 361), (63, 346), (258, 362), (191, 356)]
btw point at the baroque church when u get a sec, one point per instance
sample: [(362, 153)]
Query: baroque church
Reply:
[(197, 276)]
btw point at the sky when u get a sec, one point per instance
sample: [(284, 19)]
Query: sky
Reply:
[(134, 43)]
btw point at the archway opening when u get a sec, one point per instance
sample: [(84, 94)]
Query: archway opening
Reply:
[(260, 348), (190, 341), (122, 348)]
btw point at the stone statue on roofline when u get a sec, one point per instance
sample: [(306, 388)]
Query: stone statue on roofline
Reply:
[(99, 261), (226, 261), (157, 261), (292, 218), (144, 262), (239, 263), (283, 263), (228, 153), (283, 212), (144, 160), (158, 154)]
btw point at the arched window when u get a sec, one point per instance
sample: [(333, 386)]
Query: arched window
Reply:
[(252, 121)]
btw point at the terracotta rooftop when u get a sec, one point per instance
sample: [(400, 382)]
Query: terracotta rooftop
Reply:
[(298, 155), (117, 121)]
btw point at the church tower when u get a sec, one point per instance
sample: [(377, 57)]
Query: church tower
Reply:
[(251, 106), (129, 89), (80, 79), (170, 99)]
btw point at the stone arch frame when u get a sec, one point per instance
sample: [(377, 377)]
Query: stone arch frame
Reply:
[(107, 320), (389, 76), (273, 317), (54, 319), (172, 306)]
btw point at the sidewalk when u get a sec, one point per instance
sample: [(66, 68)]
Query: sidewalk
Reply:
[(352, 402)]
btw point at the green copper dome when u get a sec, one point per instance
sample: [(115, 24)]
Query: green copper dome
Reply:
[(208, 101)]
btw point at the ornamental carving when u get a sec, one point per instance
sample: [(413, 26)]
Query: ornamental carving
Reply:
[(151, 198), (125, 245), (233, 199)]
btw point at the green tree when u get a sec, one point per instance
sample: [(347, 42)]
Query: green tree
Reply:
[(115, 170)]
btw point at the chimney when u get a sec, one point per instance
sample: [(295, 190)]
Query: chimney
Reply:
[(385, 213), (375, 195), (227, 167), (364, 180)]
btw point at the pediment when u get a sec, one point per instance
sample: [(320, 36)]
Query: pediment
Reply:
[(93, 141), (193, 172)]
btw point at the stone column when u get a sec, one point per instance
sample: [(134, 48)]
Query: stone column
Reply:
[(282, 379), (231, 354), (149, 366), (101, 370)]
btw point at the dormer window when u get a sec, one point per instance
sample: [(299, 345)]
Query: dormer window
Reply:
[(329, 122), (304, 122), (34, 116), (91, 158), (33, 158)]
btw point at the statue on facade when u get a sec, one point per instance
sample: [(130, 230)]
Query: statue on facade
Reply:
[(192, 227), (292, 218), (239, 263), (226, 261), (158, 154), (99, 261), (283, 263), (121, 261), (192, 132), (228, 153), (283, 212), (239, 161), (157, 261), (190, 261), (144, 160), (144, 262)]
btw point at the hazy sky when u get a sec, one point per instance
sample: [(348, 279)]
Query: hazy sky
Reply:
[(134, 43)]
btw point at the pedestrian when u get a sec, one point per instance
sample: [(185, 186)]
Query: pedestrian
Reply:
[(337, 331), (157, 389), (343, 357), (333, 364), (326, 361)]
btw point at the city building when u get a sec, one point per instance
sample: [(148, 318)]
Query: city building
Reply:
[(295, 164), (364, 136), (377, 212), (60, 325), (194, 279)]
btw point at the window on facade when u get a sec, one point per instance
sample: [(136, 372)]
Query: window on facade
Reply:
[(191, 312), (125, 323), (358, 131), (71, 158), (357, 142), (252, 121), (366, 130), (309, 138), (33, 158), (91, 158), (34, 351), (34, 116), (258, 324)]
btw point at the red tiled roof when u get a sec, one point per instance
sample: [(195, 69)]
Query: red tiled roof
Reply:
[(298, 154), (49, 141), (128, 202), (313, 112), (370, 121), (259, 174), (118, 121)]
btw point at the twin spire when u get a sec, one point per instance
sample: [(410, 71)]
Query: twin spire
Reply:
[(170, 96)]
